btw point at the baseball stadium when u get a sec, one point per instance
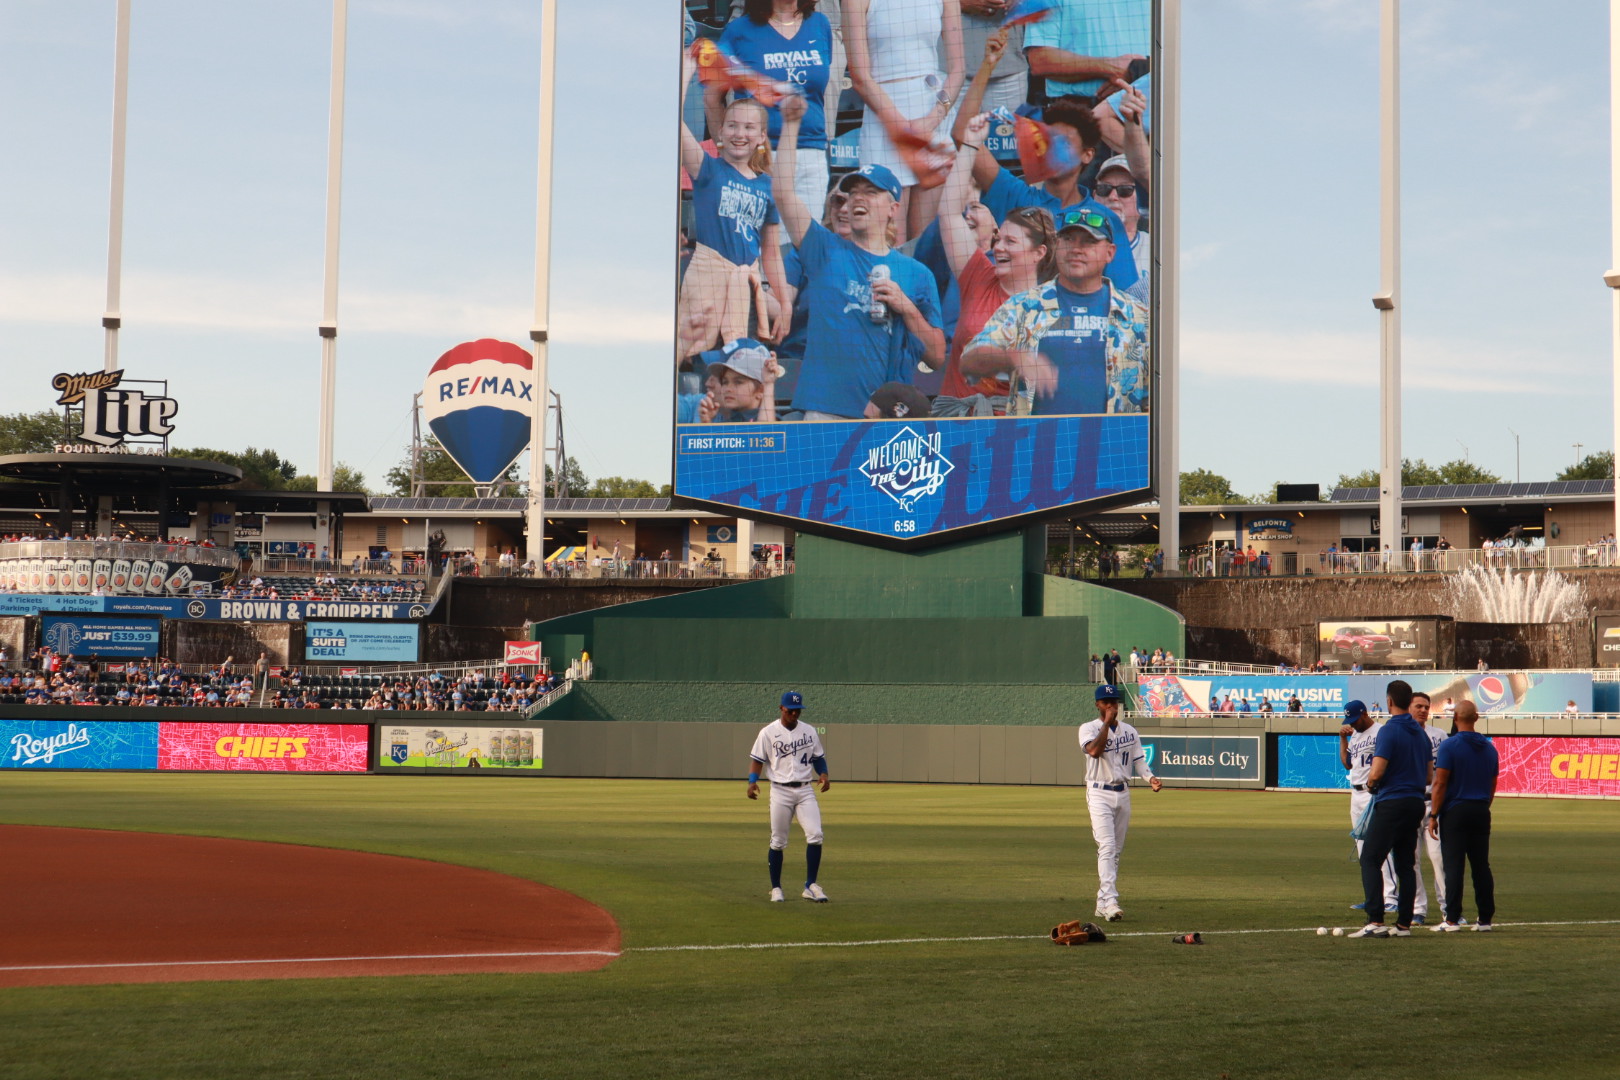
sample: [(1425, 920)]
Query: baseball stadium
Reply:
[(944, 714)]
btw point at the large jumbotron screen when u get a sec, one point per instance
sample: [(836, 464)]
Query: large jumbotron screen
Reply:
[(927, 312)]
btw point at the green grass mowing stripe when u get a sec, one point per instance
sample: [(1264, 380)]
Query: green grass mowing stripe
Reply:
[(682, 863)]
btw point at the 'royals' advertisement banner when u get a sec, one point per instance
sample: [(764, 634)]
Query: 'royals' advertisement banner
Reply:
[(1310, 761), (77, 744), (364, 642), (76, 635), (263, 747), (828, 381), (1194, 757), (1509, 692), (199, 608)]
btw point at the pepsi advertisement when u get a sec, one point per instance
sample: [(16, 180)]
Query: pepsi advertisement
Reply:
[(1491, 692), (78, 635), (931, 317)]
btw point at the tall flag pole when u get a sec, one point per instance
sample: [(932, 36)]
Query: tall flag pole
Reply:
[(535, 547)]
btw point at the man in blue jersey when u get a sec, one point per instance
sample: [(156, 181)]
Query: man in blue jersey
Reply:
[(1076, 345), (1402, 768), (1465, 774), (873, 311), (1084, 46)]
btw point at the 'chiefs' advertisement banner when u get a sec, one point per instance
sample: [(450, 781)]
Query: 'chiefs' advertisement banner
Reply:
[(263, 747), (1507, 692), (1559, 766)]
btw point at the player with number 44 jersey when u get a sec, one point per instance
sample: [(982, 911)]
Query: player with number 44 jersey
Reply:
[(790, 755)]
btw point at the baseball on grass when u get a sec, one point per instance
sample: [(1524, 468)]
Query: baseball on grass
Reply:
[(1338, 931), (1321, 931)]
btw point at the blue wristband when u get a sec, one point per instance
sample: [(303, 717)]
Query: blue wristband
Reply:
[(753, 778)]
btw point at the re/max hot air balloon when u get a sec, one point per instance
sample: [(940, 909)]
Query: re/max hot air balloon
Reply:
[(479, 401)]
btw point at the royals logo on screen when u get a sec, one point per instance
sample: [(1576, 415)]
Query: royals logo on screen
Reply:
[(907, 468)]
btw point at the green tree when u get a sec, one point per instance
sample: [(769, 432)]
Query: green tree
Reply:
[(1419, 472), (575, 483), (619, 487), (262, 470), (1204, 488), (32, 432), (344, 478), (1599, 466), (437, 464)]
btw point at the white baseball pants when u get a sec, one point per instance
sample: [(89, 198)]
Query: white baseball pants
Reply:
[(1358, 803), (788, 803), (1432, 843), (1110, 818)]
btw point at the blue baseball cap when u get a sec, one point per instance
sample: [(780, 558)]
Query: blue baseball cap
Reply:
[(792, 700), (1354, 709), (877, 176), (1088, 218), (1107, 692)]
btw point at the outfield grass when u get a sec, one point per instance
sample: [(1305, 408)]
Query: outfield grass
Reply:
[(682, 863)]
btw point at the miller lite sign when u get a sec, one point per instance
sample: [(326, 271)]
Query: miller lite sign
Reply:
[(113, 413)]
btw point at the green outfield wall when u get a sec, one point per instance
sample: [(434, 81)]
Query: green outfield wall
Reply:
[(968, 633)]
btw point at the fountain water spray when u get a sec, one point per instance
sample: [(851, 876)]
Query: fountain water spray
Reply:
[(1480, 594)]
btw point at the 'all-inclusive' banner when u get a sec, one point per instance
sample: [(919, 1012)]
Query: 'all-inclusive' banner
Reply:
[(177, 745), (1529, 766), (1509, 692)]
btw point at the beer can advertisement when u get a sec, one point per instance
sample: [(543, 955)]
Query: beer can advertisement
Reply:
[(263, 747), (410, 747), (1377, 643), (78, 635), (351, 641), (77, 744), (886, 340)]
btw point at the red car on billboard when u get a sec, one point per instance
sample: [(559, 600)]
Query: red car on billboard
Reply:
[(1361, 644)]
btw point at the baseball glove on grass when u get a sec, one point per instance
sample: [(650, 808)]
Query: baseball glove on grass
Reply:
[(1077, 933)]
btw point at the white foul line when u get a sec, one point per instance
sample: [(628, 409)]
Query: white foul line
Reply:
[(704, 948), (307, 960)]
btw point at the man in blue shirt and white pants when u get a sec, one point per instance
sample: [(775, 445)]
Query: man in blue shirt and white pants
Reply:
[(1402, 768)]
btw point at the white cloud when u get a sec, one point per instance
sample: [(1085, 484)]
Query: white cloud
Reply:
[(263, 306), (1328, 358)]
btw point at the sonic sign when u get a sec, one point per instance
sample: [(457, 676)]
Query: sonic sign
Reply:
[(830, 381)]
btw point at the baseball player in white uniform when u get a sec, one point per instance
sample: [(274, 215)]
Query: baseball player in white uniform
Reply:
[(1113, 755), (790, 755), (1357, 740), (1421, 705)]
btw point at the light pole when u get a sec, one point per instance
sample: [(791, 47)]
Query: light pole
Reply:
[(1388, 299), (1167, 283), (1515, 435), (1612, 277)]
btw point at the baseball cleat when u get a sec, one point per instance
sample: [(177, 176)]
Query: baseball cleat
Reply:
[(777, 897), (1483, 927), (1420, 920), (814, 892), (1111, 913), (1399, 931), (1447, 927), (1372, 929)]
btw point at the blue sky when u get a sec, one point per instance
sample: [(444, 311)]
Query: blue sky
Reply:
[(1505, 203)]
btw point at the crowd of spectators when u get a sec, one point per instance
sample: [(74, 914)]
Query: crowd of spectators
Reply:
[(45, 677), (128, 538), (986, 256), (324, 586), (1110, 667)]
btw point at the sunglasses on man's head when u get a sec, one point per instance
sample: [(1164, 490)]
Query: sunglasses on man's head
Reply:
[(1088, 218), (1126, 190)]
